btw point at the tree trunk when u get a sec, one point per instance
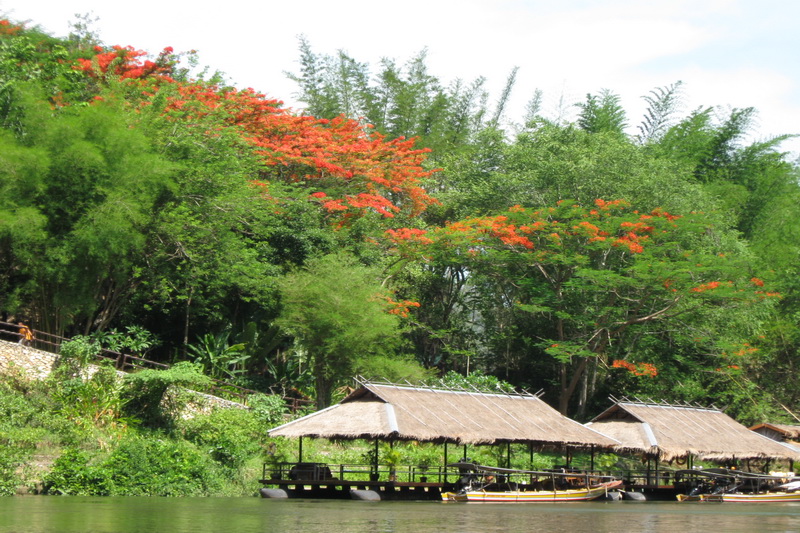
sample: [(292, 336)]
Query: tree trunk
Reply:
[(568, 389)]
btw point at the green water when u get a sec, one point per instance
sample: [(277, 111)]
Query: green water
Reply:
[(40, 514)]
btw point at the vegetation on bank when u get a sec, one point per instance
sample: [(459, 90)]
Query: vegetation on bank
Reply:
[(76, 434), (400, 228)]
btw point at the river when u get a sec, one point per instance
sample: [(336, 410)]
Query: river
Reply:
[(64, 514)]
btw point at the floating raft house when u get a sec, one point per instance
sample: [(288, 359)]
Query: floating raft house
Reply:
[(668, 432), (393, 412)]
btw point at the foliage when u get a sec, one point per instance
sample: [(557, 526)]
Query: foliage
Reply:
[(338, 312), (137, 467), (90, 401), (603, 113), (596, 276), (399, 101), (156, 397), (80, 349), (134, 192), (96, 458), (477, 381), (217, 358), (229, 436), (268, 409), (72, 474), (396, 369), (135, 340)]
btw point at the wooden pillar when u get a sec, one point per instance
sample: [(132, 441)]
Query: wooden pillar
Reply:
[(658, 455), (445, 461), (508, 455), (591, 464), (530, 453), (300, 451), (375, 464)]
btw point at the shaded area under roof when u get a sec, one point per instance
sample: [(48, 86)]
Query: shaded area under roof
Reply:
[(397, 412), (787, 434), (785, 431), (673, 431)]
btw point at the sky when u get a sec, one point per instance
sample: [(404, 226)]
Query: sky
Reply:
[(728, 53)]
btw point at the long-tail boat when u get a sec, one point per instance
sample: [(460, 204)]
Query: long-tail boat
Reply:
[(489, 484), (728, 485)]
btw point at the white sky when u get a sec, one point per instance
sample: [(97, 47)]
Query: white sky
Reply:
[(730, 53)]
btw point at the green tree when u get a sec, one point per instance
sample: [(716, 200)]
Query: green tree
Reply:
[(593, 280), (602, 113), (337, 312), (91, 184)]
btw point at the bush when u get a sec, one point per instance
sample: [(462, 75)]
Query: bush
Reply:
[(229, 436), (72, 474), (269, 409), (81, 349), (152, 466), (10, 460), (139, 466), (146, 393)]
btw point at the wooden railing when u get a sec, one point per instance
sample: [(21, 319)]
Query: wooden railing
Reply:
[(357, 472), (49, 342)]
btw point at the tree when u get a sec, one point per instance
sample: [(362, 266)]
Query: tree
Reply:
[(593, 279), (339, 315), (602, 113), (662, 104), (91, 186)]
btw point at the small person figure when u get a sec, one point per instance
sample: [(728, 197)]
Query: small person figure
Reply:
[(26, 335)]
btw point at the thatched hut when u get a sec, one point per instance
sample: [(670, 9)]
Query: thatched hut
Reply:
[(393, 412), (668, 432), (786, 433)]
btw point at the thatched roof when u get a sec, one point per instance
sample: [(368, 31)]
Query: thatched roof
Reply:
[(396, 412), (673, 431), (778, 431), (788, 434)]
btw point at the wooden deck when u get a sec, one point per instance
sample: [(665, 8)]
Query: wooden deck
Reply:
[(321, 481)]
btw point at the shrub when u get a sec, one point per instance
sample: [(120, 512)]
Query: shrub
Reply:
[(81, 349), (139, 466), (146, 393), (229, 436), (73, 474), (269, 409), (153, 466)]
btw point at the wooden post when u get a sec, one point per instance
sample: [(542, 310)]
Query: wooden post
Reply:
[(658, 456), (508, 454), (445, 461), (465, 452), (300, 453), (591, 464), (530, 453), (375, 464)]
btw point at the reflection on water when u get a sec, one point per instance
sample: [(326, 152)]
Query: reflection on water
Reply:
[(61, 514)]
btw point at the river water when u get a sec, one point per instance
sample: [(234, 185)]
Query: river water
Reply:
[(64, 514)]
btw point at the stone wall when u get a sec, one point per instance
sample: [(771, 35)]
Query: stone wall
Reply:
[(37, 364)]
